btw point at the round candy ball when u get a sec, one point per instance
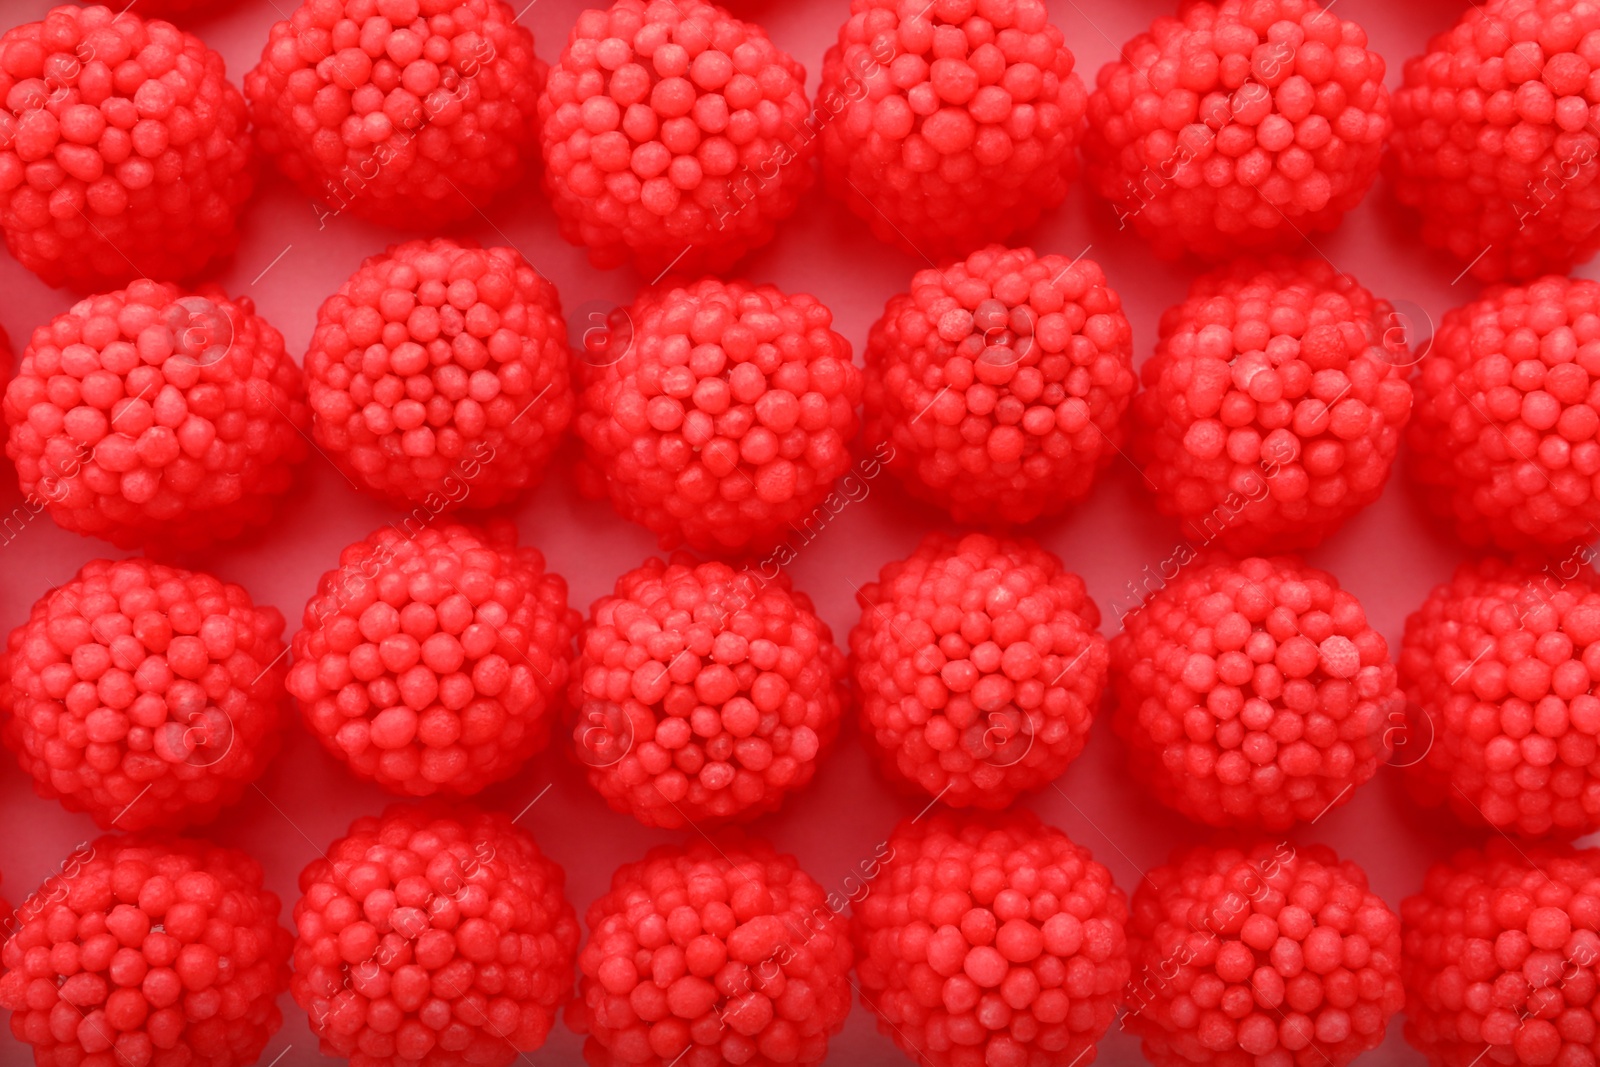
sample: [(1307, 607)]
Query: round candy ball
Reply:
[(675, 136), (999, 383), (978, 666), (1266, 954), (124, 152), (1273, 407), (433, 937), (1500, 956), (1503, 446), (946, 126), (145, 695), (1238, 125), (725, 418), (147, 950), (709, 954), (703, 694), (1493, 145), (1253, 693), (157, 418), (413, 113), (437, 375), (429, 660), (990, 941)]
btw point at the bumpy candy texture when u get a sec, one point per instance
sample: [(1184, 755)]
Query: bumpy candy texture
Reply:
[(123, 150), (1272, 955), (703, 693), (1494, 144), (145, 695), (429, 660), (1000, 382), (991, 941), (1238, 125), (675, 136), (152, 951), (949, 124), (1501, 957), (1253, 693), (1503, 443), (411, 113), (1500, 666), (978, 666), (725, 418), (1273, 407), (438, 375), (433, 937), (709, 954), (156, 417)]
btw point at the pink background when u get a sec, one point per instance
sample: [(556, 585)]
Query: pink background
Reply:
[(1388, 556)]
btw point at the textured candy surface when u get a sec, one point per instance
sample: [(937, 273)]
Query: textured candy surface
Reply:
[(1503, 444), (438, 375), (157, 418), (675, 136), (145, 695), (147, 950), (430, 658), (1273, 407), (978, 666), (709, 954), (702, 693), (1000, 383), (1238, 125), (1275, 954), (949, 125), (413, 113), (991, 940), (433, 936), (124, 151), (1253, 692), (724, 418)]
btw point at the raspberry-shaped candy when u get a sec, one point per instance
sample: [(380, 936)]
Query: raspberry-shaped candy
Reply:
[(1253, 692), (433, 937), (991, 941), (410, 113), (147, 950), (949, 124), (156, 417), (703, 693), (727, 417), (429, 659), (1501, 663), (438, 374), (675, 135), (145, 695), (1273, 406), (1238, 125), (1503, 443), (1000, 382), (1271, 954), (708, 954), (124, 152), (978, 666)]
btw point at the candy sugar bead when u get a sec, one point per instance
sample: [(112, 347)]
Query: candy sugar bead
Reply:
[(145, 695), (429, 660), (1253, 693), (156, 417), (438, 375), (1000, 383), (1238, 125), (413, 113), (978, 667)]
